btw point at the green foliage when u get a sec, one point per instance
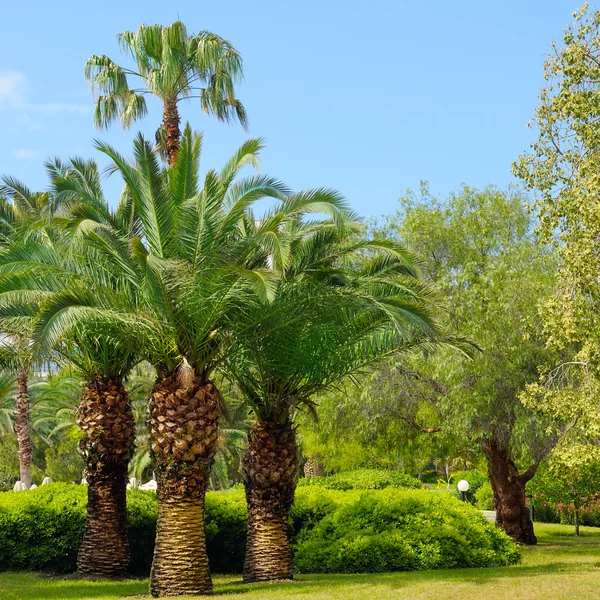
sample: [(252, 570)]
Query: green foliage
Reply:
[(567, 486), (392, 531), (561, 167), (9, 462), (363, 479), (484, 496), (42, 529), (476, 480), (64, 463)]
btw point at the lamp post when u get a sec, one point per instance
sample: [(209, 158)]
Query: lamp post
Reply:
[(463, 487)]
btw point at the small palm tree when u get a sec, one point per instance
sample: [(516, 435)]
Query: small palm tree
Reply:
[(174, 66), (342, 305), (23, 216)]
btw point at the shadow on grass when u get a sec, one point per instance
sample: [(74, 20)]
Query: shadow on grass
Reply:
[(396, 581)]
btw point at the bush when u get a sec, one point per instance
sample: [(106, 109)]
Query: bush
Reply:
[(475, 478), (353, 531), (402, 531), (484, 497), (364, 479)]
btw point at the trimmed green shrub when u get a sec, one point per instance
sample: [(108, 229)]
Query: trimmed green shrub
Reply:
[(332, 531), (364, 479), (402, 531), (226, 522)]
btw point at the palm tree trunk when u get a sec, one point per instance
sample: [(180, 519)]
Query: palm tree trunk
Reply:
[(183, 434), (22, 428), (172, 133), (512, 514), (106, 419), (270, 476)]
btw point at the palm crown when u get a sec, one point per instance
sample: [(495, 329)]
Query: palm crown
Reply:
[(174, 66)]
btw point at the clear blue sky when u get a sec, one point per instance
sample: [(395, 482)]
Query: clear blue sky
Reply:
[(368, 97)]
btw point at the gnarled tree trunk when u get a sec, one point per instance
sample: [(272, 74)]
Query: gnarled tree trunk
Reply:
[(270, 476), (512, 514), (172, 132), (105, 417), (22, 428), (183, 428)]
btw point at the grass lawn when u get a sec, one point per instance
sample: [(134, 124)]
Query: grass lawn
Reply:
[(561, 567)]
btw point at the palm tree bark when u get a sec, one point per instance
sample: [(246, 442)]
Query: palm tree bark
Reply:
[(183, 434), (270, 476), (512, 514), (22, 428), (171, 122), (106, 419)]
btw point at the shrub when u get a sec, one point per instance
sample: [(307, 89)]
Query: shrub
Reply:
[(475, 478), (399, 531), (364, 479), (354, 531), (484, 497)]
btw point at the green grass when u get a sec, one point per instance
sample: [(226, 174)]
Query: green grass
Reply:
[(561, 567)]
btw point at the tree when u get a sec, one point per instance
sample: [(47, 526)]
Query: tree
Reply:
[(571, 477), (562, 168), (57, 275), (192, 261), (174, 66), (479, 248), (342, 304), (22, 217)]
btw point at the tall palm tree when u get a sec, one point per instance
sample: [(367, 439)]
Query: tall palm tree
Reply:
[(174, 66), (342, 305)]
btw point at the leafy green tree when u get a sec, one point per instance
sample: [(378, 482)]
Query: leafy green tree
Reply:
[(479, 247), (174, 66), (571, 477), (562, 168)]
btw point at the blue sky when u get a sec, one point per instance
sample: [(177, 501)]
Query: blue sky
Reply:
[(366, 97)]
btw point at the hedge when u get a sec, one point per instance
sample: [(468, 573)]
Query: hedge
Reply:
[(402, 531), (332, 531), (363, 479)]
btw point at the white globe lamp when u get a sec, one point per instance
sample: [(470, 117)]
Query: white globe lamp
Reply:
[(463, 487)]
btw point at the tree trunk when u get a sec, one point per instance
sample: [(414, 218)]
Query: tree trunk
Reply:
[(172, 133), (512, 514), (576, 509), (183, 428), (22, 428), (106, 419), (270, 476), (313, 467)]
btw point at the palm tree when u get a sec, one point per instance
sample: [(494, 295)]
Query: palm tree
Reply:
[(45, 280), (23, 215), (174, 66), (342, 305)]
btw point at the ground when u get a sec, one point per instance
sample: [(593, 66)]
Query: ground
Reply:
[(561, 567)]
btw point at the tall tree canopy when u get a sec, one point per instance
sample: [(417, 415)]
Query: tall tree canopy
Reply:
[(479, 248), (563, 168)]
